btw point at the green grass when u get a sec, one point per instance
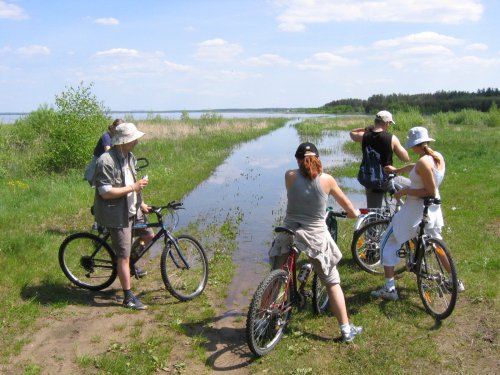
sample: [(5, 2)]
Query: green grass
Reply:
[(400, 338), (38, 212)]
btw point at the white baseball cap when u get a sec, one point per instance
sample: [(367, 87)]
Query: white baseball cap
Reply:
[(385, 116)]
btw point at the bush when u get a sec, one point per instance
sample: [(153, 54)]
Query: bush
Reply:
[(493, 116), (63, 138), (407, 119)]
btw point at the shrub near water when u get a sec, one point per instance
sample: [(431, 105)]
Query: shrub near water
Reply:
[(56, 140)]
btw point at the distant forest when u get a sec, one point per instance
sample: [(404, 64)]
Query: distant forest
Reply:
[(440, 101)]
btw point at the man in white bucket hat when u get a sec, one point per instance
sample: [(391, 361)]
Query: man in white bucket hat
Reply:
[(385, 144), (118, 203)]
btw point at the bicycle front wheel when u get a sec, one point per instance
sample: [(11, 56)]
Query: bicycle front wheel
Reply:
[(184, 268), (437, 279), (321, 302), (269, 313), (87, 261), (365, 247)]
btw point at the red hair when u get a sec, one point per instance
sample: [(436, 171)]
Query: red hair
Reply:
[(310, 166)]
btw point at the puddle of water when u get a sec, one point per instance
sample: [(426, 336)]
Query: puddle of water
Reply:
[(251, 182)]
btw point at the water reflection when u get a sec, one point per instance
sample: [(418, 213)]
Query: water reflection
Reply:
[(251, 183)]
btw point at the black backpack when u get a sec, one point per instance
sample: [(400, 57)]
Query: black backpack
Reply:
[(371, 173)]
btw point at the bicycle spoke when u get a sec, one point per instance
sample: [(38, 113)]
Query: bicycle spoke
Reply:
[(268, 314)]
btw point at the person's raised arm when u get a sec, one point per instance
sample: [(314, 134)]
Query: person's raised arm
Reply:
[(336, 192), (357, 134), (399, 150)]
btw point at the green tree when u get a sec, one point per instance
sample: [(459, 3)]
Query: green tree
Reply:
[(62, 138)]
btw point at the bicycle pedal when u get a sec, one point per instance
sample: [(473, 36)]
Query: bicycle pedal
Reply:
[(402, 253)]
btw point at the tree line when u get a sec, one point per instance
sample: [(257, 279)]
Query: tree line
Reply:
[(440, 101)]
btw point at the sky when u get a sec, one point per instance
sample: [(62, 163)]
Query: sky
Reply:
[(213, 54)]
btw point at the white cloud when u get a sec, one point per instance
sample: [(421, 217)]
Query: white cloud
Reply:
[(217, 50), (427, 37), (176, 67), (33, 50), (478, 61), (12, 11), (425, 50), (123, 52), (299, 13), (267, 59), (110, 21), (476, 47), (349, 49), (326, 61)]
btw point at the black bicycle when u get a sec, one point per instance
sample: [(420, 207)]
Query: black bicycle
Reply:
[(88, 260), (430, 260), (282, 290)]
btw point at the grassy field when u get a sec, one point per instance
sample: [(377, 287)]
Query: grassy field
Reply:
[(400, 337), (38, 212)]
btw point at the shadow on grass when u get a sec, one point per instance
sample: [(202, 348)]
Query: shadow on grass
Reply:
[(226, 343), (404, 310), (49, 293)]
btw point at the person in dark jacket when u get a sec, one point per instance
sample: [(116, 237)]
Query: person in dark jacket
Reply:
[(386, 144)]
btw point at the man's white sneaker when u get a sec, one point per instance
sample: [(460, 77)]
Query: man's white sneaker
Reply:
[(391, 295)]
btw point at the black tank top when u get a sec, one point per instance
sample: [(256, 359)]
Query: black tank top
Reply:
[(382, 143)]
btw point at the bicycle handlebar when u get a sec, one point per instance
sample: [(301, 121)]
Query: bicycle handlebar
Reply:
[(141, 163), (429, 201), (336, 213), (171, 206)]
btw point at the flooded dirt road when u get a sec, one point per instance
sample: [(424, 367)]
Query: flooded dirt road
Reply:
[(250, 183)]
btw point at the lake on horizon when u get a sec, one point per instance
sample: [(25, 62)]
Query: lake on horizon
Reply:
[(10, 118)]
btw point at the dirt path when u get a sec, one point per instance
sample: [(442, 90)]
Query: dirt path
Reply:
[(60, 338)]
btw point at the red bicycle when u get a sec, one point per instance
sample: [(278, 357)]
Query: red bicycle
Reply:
[(281, 291)]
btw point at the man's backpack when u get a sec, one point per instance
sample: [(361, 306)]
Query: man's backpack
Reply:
[(371, 173)]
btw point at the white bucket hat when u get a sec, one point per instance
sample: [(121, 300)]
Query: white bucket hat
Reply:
[(385, 116), (125, 133), (417, 135)]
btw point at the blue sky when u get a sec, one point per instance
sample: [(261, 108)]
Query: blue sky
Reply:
[(200, 54)]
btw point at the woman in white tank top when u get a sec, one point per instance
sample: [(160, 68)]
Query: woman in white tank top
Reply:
[(426, 175)]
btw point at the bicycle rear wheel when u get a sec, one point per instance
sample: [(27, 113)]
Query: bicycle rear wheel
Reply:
[(321, 302), (184, 268), (269, 313), (87, 261), (437, 279), (365, 247)]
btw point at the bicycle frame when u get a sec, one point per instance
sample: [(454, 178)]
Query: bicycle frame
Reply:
[(422, 237), (369, 215), (163, 232)]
